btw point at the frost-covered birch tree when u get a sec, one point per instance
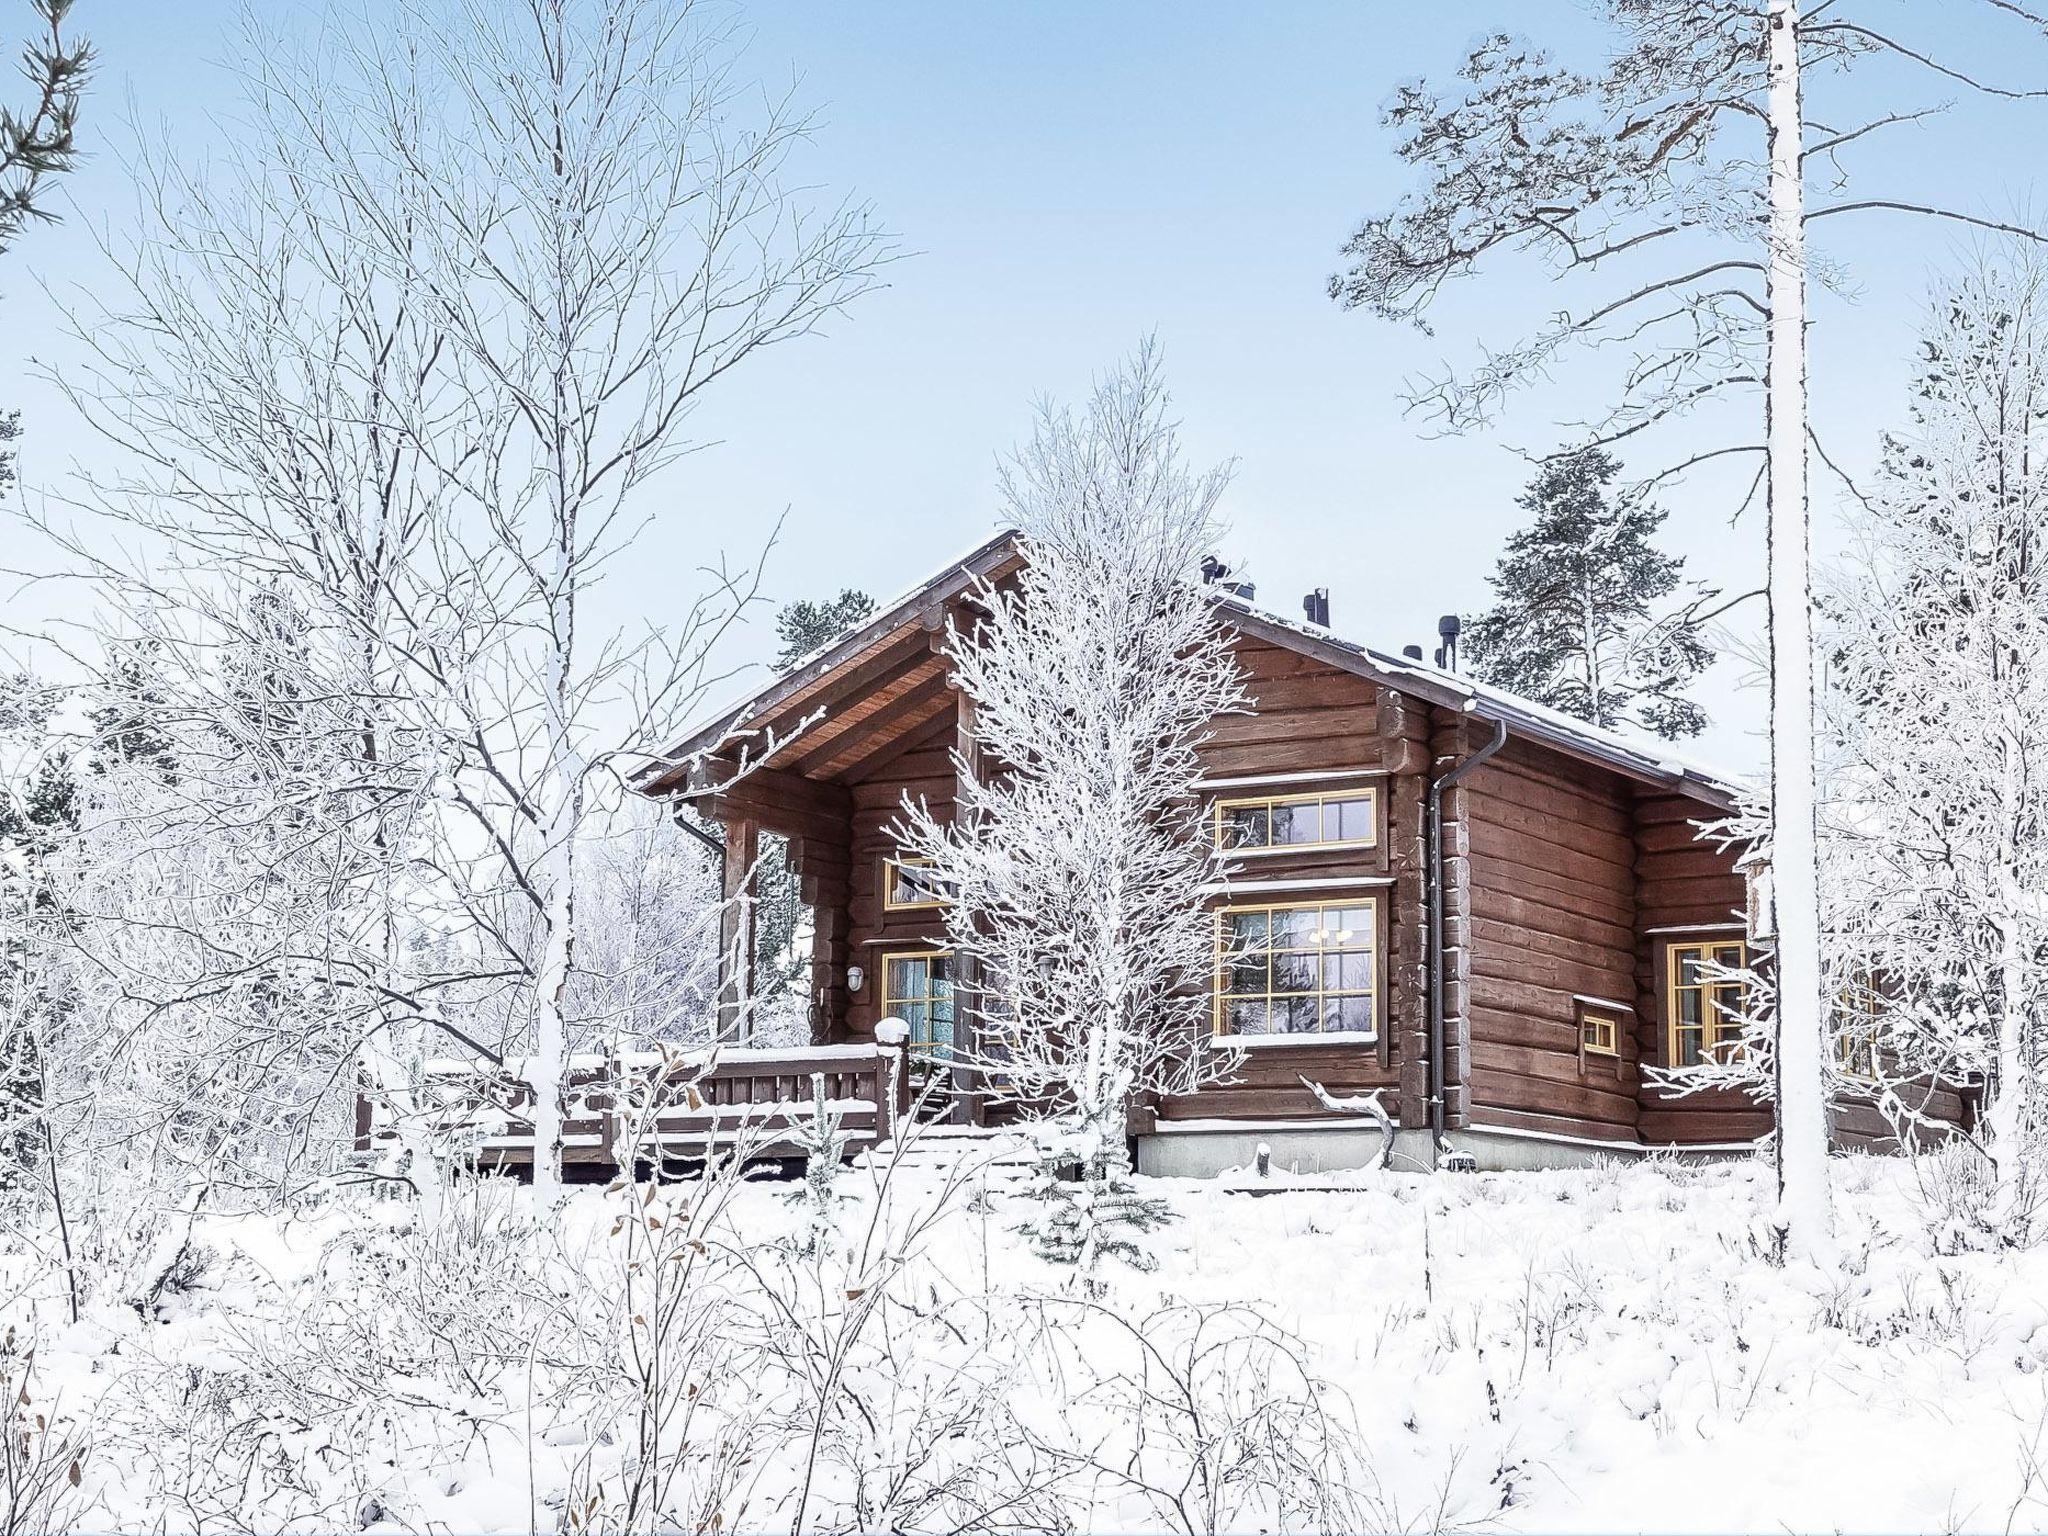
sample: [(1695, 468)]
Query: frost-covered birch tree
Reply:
[(415, 351), (1938, 715), (1671, 190), (1076, 853)]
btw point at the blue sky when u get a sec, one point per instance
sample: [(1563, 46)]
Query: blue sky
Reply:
[(1071, 176)]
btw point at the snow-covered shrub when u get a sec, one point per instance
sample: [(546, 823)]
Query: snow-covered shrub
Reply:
[(664, 1396), (823, 1142), (1198, 1418), (1089, 1208)]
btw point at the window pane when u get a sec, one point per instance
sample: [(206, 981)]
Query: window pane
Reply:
[(1296, 823), (1729, 957), (1347, 973), (1689, 963), (1296, 1015), (1351, 927), (1244, 826), (1688, 1048), (906, 979), (1297, 929), (1691, 1008), (1247, 930), (1248, 1017), (1350, 1014), (1295, 973), (1348, 820), (1248, 975)]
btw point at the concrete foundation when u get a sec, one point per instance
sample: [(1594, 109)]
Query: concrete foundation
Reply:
[(1207, 1149)]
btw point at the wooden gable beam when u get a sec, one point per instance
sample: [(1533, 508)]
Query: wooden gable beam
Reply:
[(929, 725), (861, 752), (830, 736), (783, 802)]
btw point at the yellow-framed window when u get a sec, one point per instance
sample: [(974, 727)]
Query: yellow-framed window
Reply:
[(1298, 968), (910, 884), (1703, 1004), (1332, 818), (1855, 1029), (917, 987), (1599, 1032)]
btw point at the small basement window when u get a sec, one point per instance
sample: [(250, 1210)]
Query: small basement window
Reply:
[(1336, 818), (1599, 1030), (1306, 968), (911, 884)]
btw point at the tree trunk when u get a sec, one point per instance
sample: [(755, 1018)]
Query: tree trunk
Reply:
[(1805, 1217)]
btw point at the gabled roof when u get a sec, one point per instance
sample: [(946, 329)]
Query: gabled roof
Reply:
[(881, 643)]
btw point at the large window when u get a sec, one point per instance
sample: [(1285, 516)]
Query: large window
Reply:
[(1337, 818), (909, 884), (1703, 1000), (917, 987), (1307, 968)]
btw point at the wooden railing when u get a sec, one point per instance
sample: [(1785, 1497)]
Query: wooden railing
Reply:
[(671, 1106)]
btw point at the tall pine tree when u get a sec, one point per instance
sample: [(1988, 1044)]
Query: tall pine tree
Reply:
[(1574, 623), (804, 626)]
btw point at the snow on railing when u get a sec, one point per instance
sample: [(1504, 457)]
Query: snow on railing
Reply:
[(675, 1104)]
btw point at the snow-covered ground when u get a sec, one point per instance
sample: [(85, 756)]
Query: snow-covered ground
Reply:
[(1603, 1350)]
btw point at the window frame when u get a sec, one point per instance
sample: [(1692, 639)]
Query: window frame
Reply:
[(1717, 1029), (1220, 996), (1593, 1014), (891, 862), (888, 1000), (1223, 804)]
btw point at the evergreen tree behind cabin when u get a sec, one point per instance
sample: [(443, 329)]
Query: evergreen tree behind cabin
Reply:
[(1574, 622), (804, 626)]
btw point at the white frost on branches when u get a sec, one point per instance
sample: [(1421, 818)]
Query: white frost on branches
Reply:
[(1076, 853)]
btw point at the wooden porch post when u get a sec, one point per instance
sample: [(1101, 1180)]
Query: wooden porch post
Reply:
[(736, 924)]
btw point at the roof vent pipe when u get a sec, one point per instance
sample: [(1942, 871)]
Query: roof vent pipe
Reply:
[(1447, 653), (1213, 570), (1316, 607), (1412, 652)]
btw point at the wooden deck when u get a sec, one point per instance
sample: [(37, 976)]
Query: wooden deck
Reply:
[(669, 1107)]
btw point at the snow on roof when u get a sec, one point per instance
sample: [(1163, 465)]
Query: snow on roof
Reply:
[(1655, 757), (885, 618), (1652, 759)]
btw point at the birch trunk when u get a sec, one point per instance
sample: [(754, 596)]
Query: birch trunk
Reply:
[(1805, 1217)]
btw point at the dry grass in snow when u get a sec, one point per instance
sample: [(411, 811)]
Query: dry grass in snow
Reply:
[(1603, 1350)]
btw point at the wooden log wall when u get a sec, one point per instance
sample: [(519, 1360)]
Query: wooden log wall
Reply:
[(925, 772), (1553, 921), (1404, 743), (1312, 717)]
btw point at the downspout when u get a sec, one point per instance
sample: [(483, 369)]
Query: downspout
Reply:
[(710, 840), (1435, 855)]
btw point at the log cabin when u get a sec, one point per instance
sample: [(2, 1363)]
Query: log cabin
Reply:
[(1524, 912)]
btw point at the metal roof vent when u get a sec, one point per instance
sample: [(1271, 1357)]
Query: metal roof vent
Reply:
[(1447, 653), (1316, 607)]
